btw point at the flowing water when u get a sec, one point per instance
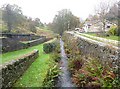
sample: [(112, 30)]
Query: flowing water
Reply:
[(64, 79)]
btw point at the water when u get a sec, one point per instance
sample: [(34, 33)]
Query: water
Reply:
[(64, 79)]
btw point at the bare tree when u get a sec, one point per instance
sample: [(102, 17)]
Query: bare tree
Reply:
[(101, 10), (119, 19)]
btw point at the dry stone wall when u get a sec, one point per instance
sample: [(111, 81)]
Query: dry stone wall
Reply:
[(96, 49), (13, 70), (9, 44), (36, 42), (21, 37)]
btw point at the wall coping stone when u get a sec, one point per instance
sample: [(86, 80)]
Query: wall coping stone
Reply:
[(94, 41)]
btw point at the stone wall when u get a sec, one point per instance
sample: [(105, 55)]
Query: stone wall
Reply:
[(9, 44), (13, 70), (35, 42), (21, 37), (96, 49)]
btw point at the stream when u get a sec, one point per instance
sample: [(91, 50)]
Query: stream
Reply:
[(64, 78)]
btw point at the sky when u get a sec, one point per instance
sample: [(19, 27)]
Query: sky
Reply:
[(47, 9)]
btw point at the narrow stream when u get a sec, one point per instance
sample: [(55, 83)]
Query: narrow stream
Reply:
[(64, 79)]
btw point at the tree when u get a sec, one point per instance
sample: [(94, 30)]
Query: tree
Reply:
[(119, 21), (101, 11), (38, 23), (64, 20), (11, 15), (113, 13)]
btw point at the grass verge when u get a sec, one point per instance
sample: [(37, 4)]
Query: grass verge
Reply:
[(109, 37), (7, 57), (36, 73)]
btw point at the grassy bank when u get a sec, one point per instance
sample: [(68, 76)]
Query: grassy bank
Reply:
[(36, 73), (108, 37), (7, 57)]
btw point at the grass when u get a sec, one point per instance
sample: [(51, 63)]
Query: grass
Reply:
[(7, 57), (45, 32), (113, 38), (110, 37), (36, 73)]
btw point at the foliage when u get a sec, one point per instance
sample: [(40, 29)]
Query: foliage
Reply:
[(35, 74), (93, 73), (65, 20), (75, 64), (11, 14), (113, 13), (71, 46), (113, 30), (53, 73), (53, 46), (15, 21), (49, 47), (55, 56), (87, 71), (51, 77), (57, 48)]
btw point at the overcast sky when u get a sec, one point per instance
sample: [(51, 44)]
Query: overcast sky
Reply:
[(46, 9)]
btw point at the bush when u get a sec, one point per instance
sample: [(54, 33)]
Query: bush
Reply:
[(75, 64), (113, 30), (53, 73), (53, 46), (94, 74), (55, 56), (57, 47), (49, 47), (51, 77)]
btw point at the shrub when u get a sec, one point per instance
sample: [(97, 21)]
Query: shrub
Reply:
[(75, 64), (57, 47), (52, 46), (53, 73), (94, 74), (51, 77), (49, 47), (55, 56), (113, 30)]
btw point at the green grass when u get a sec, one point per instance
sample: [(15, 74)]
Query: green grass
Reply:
[(36, 73), (6, 57), (113, 38), (92, 34), (110, 37)]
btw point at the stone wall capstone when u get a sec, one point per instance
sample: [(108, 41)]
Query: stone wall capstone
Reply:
[(36, 42), (11, 71)]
